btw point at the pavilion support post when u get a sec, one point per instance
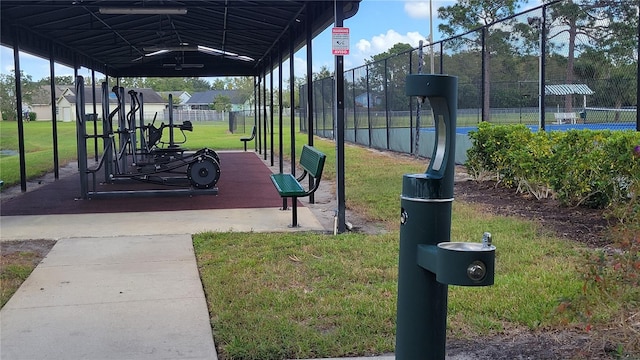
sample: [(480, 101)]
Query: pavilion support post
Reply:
[(54, 119), (310, 103), (264, 108), (256, 106), (339, 127), (292, 98), (280, 132), (17, 73), (271, 135)]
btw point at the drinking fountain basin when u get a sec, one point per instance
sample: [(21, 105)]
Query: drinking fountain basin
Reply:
[(465, 263), (465, 246)]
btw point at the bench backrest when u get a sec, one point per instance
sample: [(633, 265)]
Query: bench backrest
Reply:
[(564, 115), (312, 161)]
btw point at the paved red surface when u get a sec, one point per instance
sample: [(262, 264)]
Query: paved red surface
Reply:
[(244, 183)]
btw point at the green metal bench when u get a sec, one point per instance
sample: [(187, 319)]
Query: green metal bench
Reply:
[(288, 186), (247, 139)]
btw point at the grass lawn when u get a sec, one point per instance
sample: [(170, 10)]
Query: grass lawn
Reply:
[(275, 296), (306, 295), (39, 145)]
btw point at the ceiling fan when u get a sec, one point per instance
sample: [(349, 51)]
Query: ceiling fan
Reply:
[(180, 64)]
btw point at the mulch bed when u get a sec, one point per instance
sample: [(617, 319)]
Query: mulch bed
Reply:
[(580, 224)]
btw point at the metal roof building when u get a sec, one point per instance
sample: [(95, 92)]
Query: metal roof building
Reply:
[(165, 38), (568, 89)]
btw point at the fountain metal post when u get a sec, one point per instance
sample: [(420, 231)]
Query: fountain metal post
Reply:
[(428, 261)]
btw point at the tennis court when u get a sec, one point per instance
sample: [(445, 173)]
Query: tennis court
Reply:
[(560, 127)]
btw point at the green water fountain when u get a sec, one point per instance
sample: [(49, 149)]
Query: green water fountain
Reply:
[(429, 261)]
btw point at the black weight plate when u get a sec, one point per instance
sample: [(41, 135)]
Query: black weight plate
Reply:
[(204, 173), (209, 152)]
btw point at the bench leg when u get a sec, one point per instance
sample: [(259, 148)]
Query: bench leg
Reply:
[(294, 211), (245, 146)]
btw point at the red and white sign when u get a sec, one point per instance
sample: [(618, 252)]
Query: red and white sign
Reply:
[(340, 41)]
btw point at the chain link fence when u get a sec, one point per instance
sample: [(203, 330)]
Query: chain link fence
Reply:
[(196, 115), (587, 77)]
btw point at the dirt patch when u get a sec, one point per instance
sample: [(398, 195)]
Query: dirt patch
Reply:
[(14, 250), (587, 226), (17, 260), (557, 345), (325, 209), (584, 225)]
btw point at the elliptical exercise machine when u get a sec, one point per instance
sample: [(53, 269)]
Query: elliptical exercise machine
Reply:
[(135, 152)]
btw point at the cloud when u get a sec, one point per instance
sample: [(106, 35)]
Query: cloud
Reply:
[(417, 9), (300, 65), (366, 48)]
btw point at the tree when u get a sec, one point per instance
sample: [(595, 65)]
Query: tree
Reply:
[(297, 88), (195, 84), (244, 87), (388, 70), (189, 84), (221, 103), (608, 26), (322, 74), (323, 89), (218, 84), (468, 15), (613, 85), (133, 82), (8, 98), (59, 80), (174, 100)]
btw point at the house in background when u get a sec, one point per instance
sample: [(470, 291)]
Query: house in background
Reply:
[(180, 98), (203, 100), (66, 102), (41, 100)]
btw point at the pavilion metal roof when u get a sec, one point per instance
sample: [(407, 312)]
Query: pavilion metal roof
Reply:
[(172, 38), (567, 89)]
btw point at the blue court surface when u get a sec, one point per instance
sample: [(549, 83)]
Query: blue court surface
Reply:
[(563, 127)]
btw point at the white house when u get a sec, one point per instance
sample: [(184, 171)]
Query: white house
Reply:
[(41, 100), (181, 96), (66, 104)]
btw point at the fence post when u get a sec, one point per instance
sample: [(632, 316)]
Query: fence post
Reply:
[(386, 101)]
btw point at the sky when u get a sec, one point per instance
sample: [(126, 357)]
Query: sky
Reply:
[(377, 26)]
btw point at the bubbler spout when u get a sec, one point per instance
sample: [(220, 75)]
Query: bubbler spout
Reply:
[(486, 240)]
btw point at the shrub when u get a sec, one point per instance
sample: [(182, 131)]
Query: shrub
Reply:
[(489, 152), (578, 170), (580, 167)]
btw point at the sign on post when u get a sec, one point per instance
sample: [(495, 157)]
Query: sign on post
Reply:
[(340, 41)]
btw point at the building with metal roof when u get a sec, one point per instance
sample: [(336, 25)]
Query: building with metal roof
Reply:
[(568, 89)]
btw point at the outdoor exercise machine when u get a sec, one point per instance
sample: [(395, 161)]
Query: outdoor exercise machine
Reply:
[(134, 152), (429, 261)]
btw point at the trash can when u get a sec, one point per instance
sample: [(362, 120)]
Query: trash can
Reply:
[(583, 116), (232, 122)]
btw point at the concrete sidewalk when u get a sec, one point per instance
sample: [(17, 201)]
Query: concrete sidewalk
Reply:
[(111, 298), (28, 227)]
